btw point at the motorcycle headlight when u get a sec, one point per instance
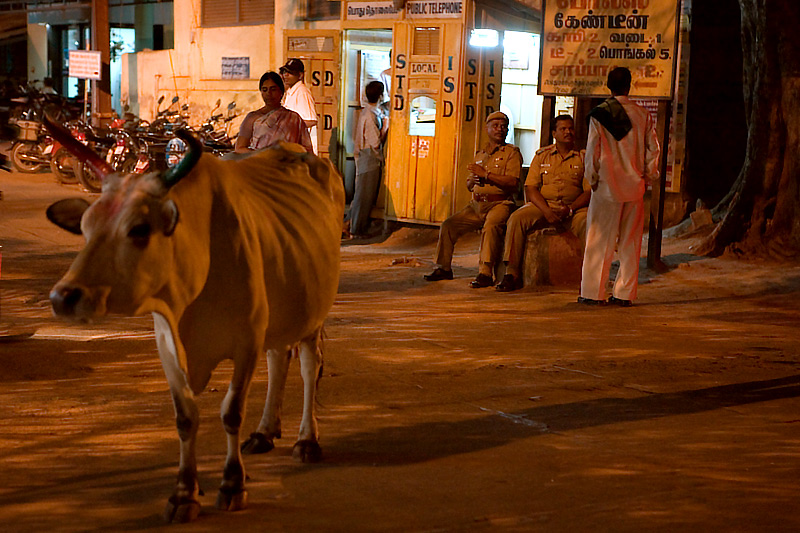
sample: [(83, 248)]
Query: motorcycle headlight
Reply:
[(174, 151)]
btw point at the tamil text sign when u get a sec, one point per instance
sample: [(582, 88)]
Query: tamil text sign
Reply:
[(84, 64), (371, 10), (583, 39)]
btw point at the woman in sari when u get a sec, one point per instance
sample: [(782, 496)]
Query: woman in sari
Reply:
[(273, 122)]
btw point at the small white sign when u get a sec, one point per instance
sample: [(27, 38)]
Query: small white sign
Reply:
[(371, 10), (434, 9), (236, 68), (84, 64)]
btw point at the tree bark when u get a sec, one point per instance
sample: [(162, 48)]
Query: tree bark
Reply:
[(762, 211)]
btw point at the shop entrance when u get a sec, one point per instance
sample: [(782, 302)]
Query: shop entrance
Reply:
[(367, 57), (518, 97)]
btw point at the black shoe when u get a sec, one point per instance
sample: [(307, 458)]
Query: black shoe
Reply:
[(481, 281), (509, 283), (589, 301), (619, 301), (439, 274)]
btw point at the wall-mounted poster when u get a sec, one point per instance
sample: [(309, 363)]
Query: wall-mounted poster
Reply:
[(583, 39), (235, 68)]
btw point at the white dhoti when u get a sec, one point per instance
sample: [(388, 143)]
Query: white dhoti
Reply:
[(612, 225)]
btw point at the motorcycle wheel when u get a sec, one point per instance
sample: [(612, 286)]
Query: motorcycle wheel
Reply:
[(22, 148), (86, 176), (63, 165), (129, 165)]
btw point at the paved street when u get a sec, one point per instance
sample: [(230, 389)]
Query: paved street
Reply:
[(443, 408)]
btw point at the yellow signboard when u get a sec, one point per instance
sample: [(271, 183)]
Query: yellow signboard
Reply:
[(583, 39)]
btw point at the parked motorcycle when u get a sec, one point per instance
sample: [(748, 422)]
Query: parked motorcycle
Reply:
[(34, 147), (109, 147), (32, 150), (131, 145), (213, 133), (62, 163)]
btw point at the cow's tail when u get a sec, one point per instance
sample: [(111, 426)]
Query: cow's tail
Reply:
[(321, 343)]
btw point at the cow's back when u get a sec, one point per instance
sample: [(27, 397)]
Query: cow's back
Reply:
[(276, 227)]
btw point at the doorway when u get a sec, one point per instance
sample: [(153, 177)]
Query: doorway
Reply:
[(367, 57), (518, 96)]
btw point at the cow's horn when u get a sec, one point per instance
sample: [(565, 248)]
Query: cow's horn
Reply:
[(194, 149), (76, 148)]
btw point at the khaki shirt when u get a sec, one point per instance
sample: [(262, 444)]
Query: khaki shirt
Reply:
[(559, 179), (506, 160)]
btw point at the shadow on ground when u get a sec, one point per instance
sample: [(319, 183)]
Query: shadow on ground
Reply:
[(432, 440)]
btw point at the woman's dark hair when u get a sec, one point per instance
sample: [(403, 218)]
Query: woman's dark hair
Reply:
[(275, 77)]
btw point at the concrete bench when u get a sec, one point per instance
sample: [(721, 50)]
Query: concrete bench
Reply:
[(552, 258)]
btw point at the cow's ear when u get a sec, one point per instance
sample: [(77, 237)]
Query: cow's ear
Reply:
[(67, 214), (169, 216)]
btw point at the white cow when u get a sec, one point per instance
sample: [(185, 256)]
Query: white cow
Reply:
[(232, 258)]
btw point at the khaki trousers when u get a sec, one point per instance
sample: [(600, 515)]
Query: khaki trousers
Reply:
[(612, 225), (490, 218), (526, 219)]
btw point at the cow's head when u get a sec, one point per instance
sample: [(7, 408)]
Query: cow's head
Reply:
[(127, 254)]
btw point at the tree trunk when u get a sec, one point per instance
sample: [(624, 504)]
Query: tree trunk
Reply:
[(762, 211)]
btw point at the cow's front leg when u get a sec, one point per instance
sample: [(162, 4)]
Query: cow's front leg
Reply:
[(232, 494), (307, 448), (183, 505), (270, 426)]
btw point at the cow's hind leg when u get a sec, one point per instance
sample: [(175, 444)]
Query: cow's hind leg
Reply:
[(232, 494), (307, 448), (270, 426), (183, 505)]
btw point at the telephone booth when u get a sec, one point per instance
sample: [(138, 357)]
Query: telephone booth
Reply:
[(443, 65)]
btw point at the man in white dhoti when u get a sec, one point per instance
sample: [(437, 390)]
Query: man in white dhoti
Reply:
[(621, 157)]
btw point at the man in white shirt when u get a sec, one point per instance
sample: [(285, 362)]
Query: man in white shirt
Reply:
[(298, 97), (371, 130), (621, 158)]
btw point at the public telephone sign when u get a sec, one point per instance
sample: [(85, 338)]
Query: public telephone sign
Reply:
[(582, 40), (84, 64)]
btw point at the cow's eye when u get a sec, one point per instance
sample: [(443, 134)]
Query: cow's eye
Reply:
[(140, 233)]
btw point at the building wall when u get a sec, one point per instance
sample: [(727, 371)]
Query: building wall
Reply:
[(192, 69), (37, 52)]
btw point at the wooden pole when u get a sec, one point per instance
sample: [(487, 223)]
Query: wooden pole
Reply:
[(656, 225), (101, 89), (548, 113)]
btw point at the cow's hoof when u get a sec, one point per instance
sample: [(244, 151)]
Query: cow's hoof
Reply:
[(257, 443), (181, 510), (307, 451), (227, 501)]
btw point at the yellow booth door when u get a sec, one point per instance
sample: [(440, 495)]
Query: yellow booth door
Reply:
[(319, 50), (425, 121)]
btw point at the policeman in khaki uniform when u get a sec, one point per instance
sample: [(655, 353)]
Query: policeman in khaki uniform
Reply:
[(493, 180), (557, 195)]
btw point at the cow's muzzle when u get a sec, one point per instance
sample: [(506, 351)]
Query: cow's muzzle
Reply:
[(73, 301)]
